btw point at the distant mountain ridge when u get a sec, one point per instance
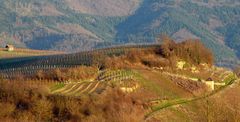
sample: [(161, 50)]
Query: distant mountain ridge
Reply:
[(74, 25)]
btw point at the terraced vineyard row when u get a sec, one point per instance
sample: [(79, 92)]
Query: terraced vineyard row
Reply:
[(103, 80), (117, 75), (67, 59), (29, 71), (77, 89)]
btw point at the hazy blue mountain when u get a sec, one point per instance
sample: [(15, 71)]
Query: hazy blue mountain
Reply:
[(73, 25)]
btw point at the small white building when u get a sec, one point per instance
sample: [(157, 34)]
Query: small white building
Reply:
[(210, 83), (9, 48)]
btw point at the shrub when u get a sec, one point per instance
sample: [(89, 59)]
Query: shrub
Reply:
[(78, 73), (7, 109), (192, 51), (237, 70), (42, 109)]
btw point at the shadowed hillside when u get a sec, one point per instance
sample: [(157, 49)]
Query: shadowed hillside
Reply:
[(183, 20), (76, 25)]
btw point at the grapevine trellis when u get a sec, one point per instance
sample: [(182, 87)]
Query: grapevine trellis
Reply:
[(30, 65), (118, 75), (101, 82), (29, 71)]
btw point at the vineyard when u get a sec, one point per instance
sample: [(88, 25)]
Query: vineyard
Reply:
[(76, 89), (29, 65), (93, 73), (105, 79)]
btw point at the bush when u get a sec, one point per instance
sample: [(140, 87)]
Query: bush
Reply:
[(237, 70), (192, 51), (42, 109), (79, 73), (7, 109)]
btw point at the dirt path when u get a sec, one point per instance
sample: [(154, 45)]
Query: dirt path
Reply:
[(177, 102)]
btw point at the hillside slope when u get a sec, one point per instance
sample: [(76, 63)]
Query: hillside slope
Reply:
[(168, 82), (104, 7)]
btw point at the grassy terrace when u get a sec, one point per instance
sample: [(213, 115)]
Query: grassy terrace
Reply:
[(167, 104), (104, 78)]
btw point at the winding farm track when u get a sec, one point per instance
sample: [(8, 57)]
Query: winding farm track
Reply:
[(173, 103)]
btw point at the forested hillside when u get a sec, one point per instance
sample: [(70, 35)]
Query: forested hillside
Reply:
[(212, 23), (59, 24), (74, 25)]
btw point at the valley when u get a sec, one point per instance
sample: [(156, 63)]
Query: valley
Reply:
[(145, 77)]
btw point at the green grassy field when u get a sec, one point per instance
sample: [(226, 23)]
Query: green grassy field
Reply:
[(25, 53)]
